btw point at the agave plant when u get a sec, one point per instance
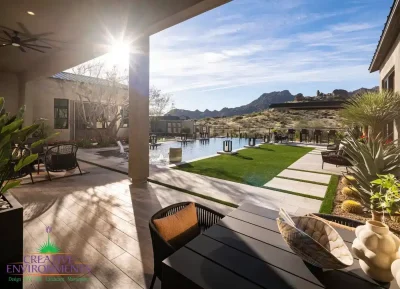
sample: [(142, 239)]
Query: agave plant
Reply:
[(12, 133), (371, 158), (373, 110)]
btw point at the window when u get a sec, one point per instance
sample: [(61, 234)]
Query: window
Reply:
[(61, 113), (388, 81)]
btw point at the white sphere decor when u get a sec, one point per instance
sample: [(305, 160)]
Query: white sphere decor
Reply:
[(377, 248)]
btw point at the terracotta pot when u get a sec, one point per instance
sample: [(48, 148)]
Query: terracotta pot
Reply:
[(377, 248)]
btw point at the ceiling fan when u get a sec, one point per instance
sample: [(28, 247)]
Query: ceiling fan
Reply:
[(15, 40)]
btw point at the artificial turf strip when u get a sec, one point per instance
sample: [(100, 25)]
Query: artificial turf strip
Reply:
[(250, 166), (327, 203)]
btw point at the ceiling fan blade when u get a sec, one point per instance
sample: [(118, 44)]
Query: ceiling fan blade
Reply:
[(24, 29), (22, 49), (34, 49), (43, 34), (35, 45), (8, 34), (4, 39), (29, 40)]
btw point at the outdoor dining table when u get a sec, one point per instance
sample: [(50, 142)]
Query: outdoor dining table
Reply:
[(245, 250)]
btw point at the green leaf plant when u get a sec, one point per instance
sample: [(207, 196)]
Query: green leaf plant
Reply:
[(13, 133), (386, 194), (369, 159)]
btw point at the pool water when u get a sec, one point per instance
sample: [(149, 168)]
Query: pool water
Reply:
[(193, 150)]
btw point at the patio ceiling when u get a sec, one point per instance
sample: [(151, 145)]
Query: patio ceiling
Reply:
[(81, 29)]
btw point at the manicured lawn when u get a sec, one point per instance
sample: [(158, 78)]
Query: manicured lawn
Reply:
[(250, 166)]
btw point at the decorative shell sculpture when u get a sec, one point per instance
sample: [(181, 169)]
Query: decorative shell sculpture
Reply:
[(315, 241)]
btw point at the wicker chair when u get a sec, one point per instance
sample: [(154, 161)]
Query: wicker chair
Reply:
[(161, 248), (61, 158), (340, 220), (334, 146), (335, 158), (17, 154), (40, 150)]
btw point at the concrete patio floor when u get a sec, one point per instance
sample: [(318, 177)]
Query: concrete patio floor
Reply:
[(102, 221)]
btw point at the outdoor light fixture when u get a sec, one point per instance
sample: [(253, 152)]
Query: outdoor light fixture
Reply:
[(252, 142), (15, 44), (30, 13), (227, 146)]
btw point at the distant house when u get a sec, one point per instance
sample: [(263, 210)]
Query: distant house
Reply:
[(173, 125), (386, 59), (53, 98)]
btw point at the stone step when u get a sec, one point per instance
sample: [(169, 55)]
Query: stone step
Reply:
[(297, 187), (305, 176)]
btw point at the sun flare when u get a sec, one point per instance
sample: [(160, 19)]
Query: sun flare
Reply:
[(119, 53)]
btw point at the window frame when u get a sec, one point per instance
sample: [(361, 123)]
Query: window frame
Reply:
[(57, 108)]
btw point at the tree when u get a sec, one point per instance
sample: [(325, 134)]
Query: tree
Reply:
[(159, 104), (101, 100), (372, 110), (318, 92)]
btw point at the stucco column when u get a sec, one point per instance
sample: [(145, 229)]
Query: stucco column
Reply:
[(23, 99), (139, 111)]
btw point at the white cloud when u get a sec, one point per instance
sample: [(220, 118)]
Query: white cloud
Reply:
[(239, 54), (352, 27)]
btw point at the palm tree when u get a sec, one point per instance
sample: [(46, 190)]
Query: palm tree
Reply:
[(372, 110)]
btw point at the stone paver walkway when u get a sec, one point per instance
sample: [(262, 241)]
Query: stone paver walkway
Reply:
[(102, 221), (297, 187), (237, 193), (313, 162), (305, 176)]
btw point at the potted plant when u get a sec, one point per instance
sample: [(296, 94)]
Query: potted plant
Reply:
[(375, 245), (12, 133)]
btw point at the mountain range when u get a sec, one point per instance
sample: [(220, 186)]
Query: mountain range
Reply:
[(261, 103)]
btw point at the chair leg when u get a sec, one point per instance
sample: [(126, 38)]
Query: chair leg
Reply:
[(79, 168), (153, 281), (38, 166), (31, 178), (49, 175), (322, 165)]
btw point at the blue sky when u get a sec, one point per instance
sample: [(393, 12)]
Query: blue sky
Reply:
[(231, 55)]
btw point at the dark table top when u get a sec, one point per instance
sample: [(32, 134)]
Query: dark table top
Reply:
[(246, 250)]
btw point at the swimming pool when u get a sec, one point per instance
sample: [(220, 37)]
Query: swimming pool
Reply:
[(193, 150)]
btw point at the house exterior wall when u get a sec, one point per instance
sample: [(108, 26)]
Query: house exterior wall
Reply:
[(9, 89), (392, 61), (40, 94)]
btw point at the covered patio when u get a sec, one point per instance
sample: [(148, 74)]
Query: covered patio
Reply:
[(78, 31), (101, 218)]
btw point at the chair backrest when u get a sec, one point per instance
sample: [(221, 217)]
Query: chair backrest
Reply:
[(162, 249), (61, 157), (36, 150), (18, 153)]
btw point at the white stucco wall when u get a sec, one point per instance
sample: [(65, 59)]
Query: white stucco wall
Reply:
[(9, 90), (393, 61)]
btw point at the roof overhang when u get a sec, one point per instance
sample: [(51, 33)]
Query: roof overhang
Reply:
[(389, 35), (309, 105), (81, 30)]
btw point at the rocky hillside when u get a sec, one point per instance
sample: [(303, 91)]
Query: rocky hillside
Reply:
[(277, 119), (257, 105), (263, 102)]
